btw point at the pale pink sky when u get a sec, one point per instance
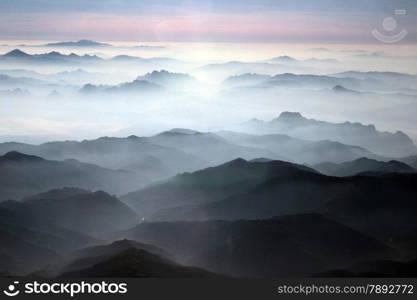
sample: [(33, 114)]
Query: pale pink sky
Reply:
[(203, 20)]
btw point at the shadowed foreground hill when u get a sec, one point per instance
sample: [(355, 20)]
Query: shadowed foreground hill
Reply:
[(286, 246), (136, 86), (139, 263), (210, 147), (92, 213), (18, 255), (382, 205), (41, 230), (90, 256), (119, 246)]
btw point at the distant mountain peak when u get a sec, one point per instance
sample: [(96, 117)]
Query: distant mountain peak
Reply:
[(178, 132), (54, 53), (80, 43), (236, 162), (287, 116), (402, 135), (364, 159), (125, 57), (183, 131), (16, 53), (164, 76), (255, 120), (364, 165), (160, 72), (342, 89), (87, 42), (284, 58)]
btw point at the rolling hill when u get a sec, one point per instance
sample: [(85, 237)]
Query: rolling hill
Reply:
[(139, 263), (85, 212), (286, 246), (22, 175), (211, 184)]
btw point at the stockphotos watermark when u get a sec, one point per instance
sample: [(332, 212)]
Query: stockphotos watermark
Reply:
[(72, 289), (392, 34)]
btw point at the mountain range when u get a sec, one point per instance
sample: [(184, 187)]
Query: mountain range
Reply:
[(136, 86), (17, 82), (36, 175), (411, 160), (138, 263), (363, 165), (261, 218), (182, 188), (393, 80), (80, 43), (210, 147), (388, 144), (177, 81), (19, 58), (157, 81), (299, 150), (222, 71), (73, 77), (115, 153), (351, 80), (209, 185), (298, 81), (263, 189), (41, 231)]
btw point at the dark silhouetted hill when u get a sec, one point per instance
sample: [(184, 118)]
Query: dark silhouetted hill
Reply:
[(139, 263), (91, 213), (286, 246)]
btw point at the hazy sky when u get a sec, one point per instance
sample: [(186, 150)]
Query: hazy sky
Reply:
[(323, 21)]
